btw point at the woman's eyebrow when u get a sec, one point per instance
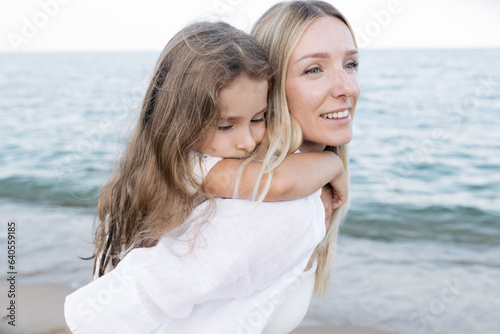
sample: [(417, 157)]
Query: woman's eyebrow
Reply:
[(325, 55), (314, 55), (351, 52)]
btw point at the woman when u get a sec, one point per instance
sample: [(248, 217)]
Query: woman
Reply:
[(313, 53), (312, 48)]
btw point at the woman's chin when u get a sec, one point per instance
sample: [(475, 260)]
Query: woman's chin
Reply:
[(328, 136), (336, 140)]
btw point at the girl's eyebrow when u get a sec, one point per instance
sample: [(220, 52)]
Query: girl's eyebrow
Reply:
[(262, 111), (234, 118), (326, 55)]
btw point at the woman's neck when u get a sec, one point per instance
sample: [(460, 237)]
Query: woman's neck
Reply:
[(308, 146)]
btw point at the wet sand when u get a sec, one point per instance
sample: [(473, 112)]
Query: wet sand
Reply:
[(39, 310)]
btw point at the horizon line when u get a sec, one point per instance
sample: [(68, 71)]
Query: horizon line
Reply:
[(159, 50)]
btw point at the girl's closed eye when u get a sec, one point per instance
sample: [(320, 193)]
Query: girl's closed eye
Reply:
[(260, 117), (224, 127), (258, 120)]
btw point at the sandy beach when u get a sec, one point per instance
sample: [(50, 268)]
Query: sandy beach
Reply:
[(39, 310)]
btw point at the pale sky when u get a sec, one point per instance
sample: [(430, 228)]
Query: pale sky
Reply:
[(147, 25)]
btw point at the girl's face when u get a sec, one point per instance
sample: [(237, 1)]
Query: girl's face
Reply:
[(241, 127), (321, 85)]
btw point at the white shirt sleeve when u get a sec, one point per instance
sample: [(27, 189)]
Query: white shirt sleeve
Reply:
[(202, 164)]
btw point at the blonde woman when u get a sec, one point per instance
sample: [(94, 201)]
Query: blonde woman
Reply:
[(312, 48)]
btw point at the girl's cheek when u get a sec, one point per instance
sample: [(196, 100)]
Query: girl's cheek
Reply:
[(263, 134)]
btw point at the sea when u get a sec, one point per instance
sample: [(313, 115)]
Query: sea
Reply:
[(420, 250)]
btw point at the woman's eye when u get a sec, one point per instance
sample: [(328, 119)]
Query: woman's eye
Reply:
[(312, 70), (353, 65), (258, 120), (224, 127)]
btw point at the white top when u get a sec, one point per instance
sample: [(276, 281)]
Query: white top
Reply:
[(243, 265), (292, 311)]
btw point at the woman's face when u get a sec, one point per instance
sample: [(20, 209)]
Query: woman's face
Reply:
[(321, 85)]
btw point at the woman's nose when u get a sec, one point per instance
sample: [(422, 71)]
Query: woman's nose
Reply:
[(342, 85)]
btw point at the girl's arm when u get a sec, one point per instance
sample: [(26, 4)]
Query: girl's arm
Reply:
[(299, 175)]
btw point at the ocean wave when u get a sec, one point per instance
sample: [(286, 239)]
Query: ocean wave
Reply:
[(457, 224), (53, 191)]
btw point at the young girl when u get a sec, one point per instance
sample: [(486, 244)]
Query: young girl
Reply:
[(206, 106)]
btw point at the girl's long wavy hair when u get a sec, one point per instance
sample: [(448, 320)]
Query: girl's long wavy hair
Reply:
[(278, 31), (149, 193)]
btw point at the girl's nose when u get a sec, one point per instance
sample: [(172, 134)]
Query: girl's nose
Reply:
[(246, 142)]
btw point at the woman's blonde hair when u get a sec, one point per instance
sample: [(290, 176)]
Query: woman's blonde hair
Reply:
[(278, 31), (149, 192)]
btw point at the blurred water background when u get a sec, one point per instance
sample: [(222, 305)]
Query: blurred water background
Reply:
[(420, 251)]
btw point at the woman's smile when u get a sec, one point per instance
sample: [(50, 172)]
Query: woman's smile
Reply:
[(336, 115)]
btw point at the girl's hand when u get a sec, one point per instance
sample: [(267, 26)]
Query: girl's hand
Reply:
[(339, 185)]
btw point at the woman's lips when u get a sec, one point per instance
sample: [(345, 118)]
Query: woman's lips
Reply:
[(336, 115)]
